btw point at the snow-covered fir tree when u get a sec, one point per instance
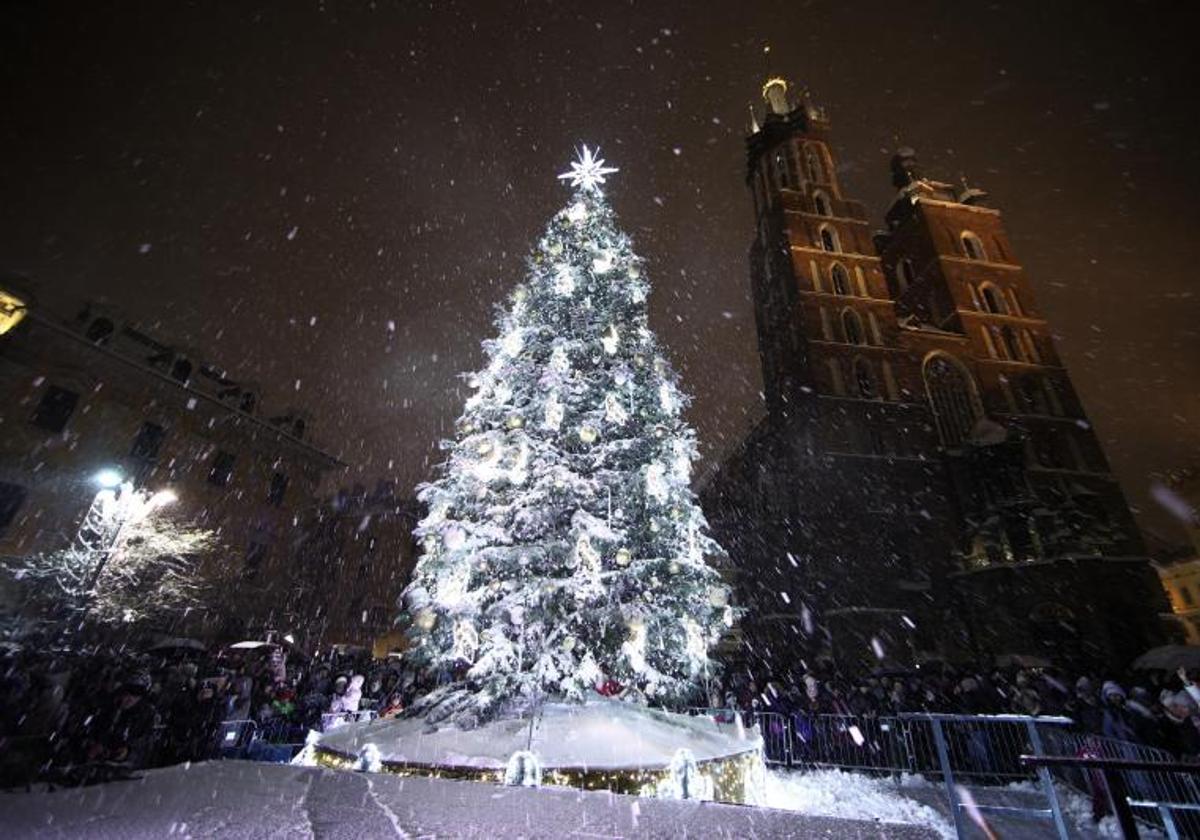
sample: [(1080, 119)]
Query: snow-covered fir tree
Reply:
[(563, 547)]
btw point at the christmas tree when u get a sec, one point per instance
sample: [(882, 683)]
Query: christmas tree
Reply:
[(563, 548)]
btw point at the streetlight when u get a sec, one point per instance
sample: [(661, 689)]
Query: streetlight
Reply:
[(108, 478), (131, 505)]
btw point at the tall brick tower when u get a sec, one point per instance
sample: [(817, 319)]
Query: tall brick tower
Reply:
[(925, 481)]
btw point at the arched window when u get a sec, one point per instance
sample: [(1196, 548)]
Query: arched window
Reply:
[(852, 327), (821, 203), (973, 246), (889, 381), (952, 397), (905, 274), (781, 170), (864, 378), (992, 299), (840, 278), (1012, 347), (826, 325), (835, 377), (1010, 400), (873, 323), (812, 165), (829, 239), (1031, 350)]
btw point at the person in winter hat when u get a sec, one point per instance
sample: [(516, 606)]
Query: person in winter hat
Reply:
[(1181, 725), (348, 702), (1116, 721)]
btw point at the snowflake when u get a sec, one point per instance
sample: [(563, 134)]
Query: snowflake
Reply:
[(587, 171)]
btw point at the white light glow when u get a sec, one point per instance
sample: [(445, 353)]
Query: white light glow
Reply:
[(108, 478)]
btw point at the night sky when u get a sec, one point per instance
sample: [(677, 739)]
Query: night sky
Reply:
[(328, 199)]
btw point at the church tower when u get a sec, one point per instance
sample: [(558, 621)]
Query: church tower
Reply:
[(925, 481)]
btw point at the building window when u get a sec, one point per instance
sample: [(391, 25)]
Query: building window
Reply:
[(781, 170), (1010, 400), (222, 468), (829, 239), (865, 378), (973, 246), (99, 330), (279, 485), (905, 274), (181, 370), (1031, 350), (826, 325), (821, 202), (255, 555), (889, 381), (12, 496), (952, 398), (876, 334), (812, 165), (841, 279), (55, 409), (992, 299), (835, 377), (852, 327), (1012, 347), (148, 442)]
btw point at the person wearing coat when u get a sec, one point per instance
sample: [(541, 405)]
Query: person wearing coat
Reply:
[(349, 701)]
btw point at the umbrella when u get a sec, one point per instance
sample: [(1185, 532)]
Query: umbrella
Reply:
[(178, 644), (1169, 658), (251, 645)]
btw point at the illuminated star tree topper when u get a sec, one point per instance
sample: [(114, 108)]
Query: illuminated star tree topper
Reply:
[(587, 171)]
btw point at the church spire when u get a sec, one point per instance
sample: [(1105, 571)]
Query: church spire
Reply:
[(775, 89)]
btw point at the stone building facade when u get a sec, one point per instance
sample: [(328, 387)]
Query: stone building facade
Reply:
[(925, 481), (95, 393)]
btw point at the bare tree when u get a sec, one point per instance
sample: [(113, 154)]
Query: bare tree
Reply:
[(131, 564)]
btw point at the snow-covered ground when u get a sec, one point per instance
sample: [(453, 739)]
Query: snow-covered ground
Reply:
[(833, 793), (250, 801)]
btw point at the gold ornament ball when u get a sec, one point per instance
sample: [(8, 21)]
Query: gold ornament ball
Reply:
[(568, 644), (588, 434), (623, 557), (718, 597), (425, 619), (516, 421)]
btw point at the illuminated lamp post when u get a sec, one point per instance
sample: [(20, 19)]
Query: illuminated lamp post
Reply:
[(115, 505)]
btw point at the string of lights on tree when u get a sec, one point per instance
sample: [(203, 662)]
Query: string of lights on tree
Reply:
[(563, 547)]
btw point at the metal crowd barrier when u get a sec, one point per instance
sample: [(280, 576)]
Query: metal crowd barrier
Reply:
[(1155, 787), (774, 727), (981, 746), (1117, 774)]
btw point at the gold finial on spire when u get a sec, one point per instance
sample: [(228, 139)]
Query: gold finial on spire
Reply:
[(776, 87)]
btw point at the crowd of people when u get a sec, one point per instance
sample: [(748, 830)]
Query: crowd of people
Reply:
[(1150, 708), (70, 712), (64, 710)]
